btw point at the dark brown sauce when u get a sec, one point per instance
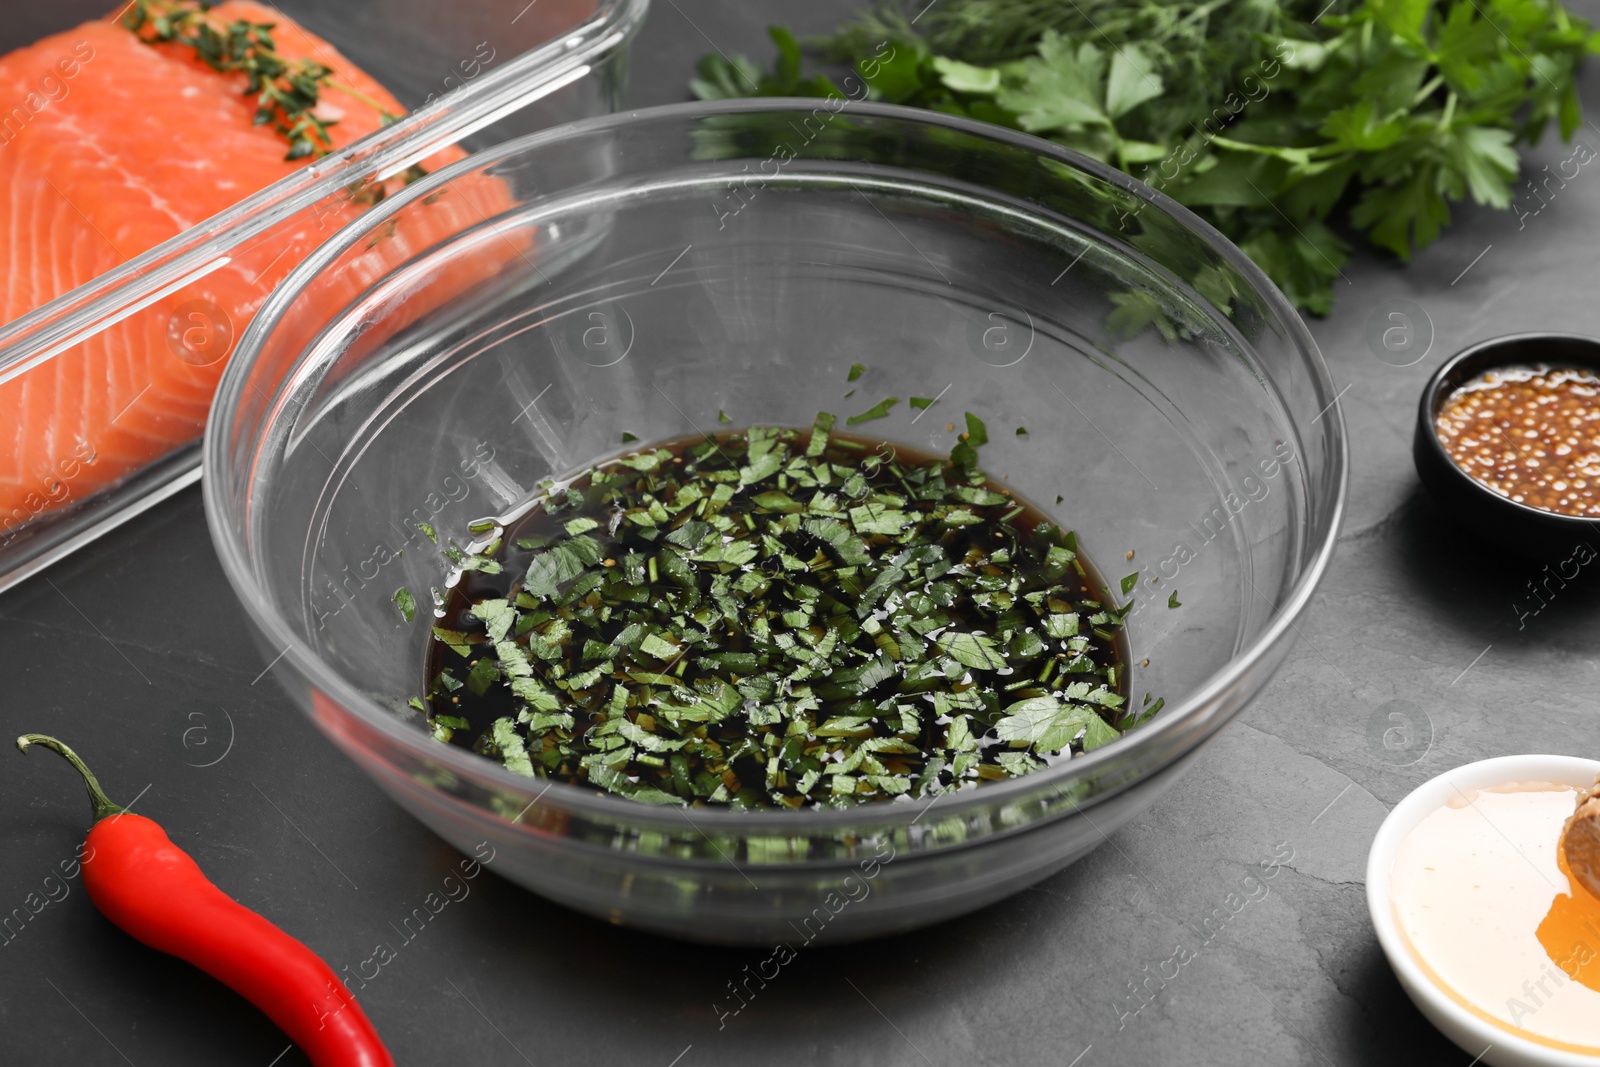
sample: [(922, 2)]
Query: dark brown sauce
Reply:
[(538, 528)]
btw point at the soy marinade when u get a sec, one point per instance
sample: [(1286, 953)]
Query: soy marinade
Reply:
[(779, 616)]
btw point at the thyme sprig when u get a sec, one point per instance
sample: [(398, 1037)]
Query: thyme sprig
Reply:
[(286, 91)]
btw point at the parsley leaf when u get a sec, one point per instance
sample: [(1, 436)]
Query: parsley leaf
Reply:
[(1278, 123), (877, 411), (1044, 723), (972, 650)]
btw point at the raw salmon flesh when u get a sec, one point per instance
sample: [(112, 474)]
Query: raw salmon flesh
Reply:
[(111, 146)]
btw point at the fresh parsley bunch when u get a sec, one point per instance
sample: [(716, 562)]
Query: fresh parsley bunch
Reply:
[(1288, 126)]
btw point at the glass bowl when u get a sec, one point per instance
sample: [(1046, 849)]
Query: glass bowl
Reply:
[(1141, 380)]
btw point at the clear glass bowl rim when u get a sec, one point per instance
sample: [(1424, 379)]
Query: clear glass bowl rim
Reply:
[(218, 489)]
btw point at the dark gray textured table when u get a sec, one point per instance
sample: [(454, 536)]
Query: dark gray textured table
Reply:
[(135, 651)]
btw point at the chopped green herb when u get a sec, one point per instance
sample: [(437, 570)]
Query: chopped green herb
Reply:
[(722, 417), (778, 617), (976, 434), (406, 602), (1096, 733), (428, 531), (454, 640), (1045, 723), (972, 650), (1022, 431), (1129, 581), (922, 403), (856, 371), (1172, 600), (628, 438), (877, 411)]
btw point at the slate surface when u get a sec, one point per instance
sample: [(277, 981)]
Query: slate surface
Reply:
[(1409, 612)]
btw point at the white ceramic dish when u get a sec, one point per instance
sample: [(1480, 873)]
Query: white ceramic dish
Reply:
[(1494, 1045)]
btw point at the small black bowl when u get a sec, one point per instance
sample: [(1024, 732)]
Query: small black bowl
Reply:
[(1517, 528)]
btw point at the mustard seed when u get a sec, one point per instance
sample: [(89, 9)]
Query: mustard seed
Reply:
[(1531, 434)]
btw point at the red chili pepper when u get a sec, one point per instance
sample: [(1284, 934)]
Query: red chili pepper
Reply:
[(153, 890)]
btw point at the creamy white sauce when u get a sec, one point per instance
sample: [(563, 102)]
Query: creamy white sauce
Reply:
[(1470, 886)]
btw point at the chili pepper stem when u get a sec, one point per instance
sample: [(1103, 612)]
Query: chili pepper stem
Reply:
[(103, 807)]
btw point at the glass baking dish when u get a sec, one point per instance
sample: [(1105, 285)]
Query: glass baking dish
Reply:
[(475, 73)]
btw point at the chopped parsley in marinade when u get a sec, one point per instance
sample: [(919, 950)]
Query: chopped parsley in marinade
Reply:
[(778, 617)]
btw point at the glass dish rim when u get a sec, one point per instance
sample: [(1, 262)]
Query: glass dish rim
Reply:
[(217, 485), (591, 51), (74, 316)]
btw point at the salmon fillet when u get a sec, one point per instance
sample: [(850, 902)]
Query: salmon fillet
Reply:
[(114, 146)]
